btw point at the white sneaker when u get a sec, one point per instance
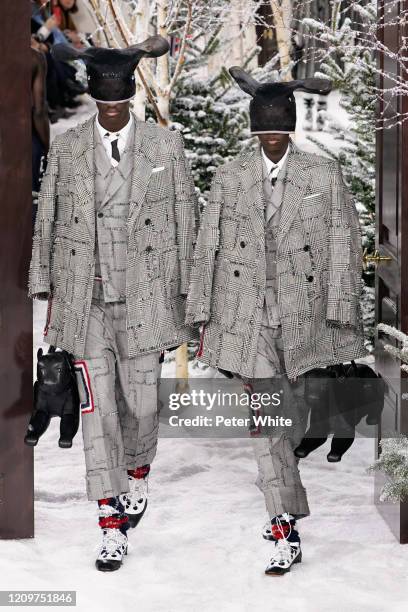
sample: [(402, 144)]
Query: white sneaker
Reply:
[(284, 556), (135, 502), (112, 550)]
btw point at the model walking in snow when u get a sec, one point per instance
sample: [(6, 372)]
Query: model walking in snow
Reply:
[(276, 285), (112, 252)]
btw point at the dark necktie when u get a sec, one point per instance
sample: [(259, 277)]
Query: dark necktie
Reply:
[(274, 174), (115, 150)]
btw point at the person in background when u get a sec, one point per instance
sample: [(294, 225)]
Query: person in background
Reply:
[(61, 85), (40, 123), (63, 9), (47, 21)]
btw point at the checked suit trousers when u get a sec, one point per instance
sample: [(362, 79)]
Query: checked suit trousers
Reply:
[(278, 473), (118, 402)]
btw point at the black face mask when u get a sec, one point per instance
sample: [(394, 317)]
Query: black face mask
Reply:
[(111, 71), (273, 105)]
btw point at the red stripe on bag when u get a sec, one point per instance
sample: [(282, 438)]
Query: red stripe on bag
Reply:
[(200, 348), (47, 322), (88, 405)]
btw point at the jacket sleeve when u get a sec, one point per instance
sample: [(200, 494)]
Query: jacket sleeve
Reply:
[(345, 255), (39, 273), (186, 212), (199, 295)]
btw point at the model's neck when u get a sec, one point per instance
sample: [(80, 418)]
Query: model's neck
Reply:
[(113, 125), (275, 157)]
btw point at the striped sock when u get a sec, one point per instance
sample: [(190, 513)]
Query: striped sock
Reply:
[(284, 527), (139, 472), (112, 514)]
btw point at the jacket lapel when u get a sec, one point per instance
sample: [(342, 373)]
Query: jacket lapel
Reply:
[(251, 199), (83, 161), (144, 160), (296, 182), (122, 170)]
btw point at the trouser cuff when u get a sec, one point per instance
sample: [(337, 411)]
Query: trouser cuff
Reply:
[(287, 499), (101, 484)]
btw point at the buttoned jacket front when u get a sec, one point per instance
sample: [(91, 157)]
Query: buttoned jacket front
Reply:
[(318, 263), (161, 231)]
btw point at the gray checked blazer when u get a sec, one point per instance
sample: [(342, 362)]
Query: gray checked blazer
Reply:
[(162, 224), (319, 266)]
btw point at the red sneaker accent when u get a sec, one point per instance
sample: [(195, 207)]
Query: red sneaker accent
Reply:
[(105, 501), (139, 472), (278, 529)]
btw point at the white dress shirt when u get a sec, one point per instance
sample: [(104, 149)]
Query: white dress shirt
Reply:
[(121, 135), (272, 167)]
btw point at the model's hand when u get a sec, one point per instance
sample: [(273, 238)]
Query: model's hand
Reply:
[(173, 348), (226, 373), (338, 324), (41, 296)]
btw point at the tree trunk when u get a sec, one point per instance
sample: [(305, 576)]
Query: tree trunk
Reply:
[(182, 368), (141, 33), (163, 76), (163, 102), (282, 17)]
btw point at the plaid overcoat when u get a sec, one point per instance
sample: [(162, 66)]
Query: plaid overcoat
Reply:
[(319, 266), (162, 225)]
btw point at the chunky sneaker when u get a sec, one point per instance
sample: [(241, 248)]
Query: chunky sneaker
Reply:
[(113, 548), (135, 502), (287, 544), (114, 524), (285, 554)]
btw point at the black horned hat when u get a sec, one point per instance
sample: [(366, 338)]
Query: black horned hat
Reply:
[(273, 105), (111, 71)]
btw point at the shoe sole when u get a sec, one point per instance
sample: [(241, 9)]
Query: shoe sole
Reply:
[(114, 569)]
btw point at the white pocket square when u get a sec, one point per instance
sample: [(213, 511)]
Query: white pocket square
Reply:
[(312, 195), (158, 169)]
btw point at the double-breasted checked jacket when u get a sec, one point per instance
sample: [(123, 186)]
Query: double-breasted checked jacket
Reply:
[(318, 265), (161, 232)]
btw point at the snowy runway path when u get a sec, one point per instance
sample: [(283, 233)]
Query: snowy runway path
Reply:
[(199, 547)]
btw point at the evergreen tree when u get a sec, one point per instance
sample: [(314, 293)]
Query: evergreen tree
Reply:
[(393, 461), (212, 129)]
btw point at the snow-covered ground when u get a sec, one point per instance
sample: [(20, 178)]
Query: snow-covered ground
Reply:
[(199, 546)]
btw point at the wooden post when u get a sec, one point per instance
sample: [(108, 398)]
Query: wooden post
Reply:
[(16, 328)]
